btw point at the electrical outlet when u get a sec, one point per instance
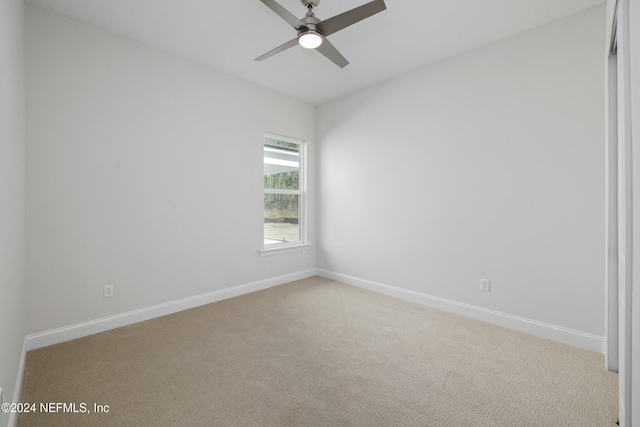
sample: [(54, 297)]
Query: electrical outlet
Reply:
[(108, 291), (305, 254), (485, 284)]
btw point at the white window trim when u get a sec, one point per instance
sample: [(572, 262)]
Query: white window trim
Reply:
[(284, 248), (302, 244)]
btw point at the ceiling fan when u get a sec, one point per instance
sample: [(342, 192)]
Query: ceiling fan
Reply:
[(312, 32)]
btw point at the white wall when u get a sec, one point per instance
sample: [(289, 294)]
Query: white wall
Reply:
[(12, 146), (489, 165), (143, 171)]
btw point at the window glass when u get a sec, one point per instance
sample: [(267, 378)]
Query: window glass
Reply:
[(282, 191)]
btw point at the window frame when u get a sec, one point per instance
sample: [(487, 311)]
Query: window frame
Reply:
[(301, 243)]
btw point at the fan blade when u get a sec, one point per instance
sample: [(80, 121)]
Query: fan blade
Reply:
[(350, 17), (287, 45), (284, 14), (329, 50)]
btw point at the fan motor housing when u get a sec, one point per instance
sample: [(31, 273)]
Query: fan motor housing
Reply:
[(310, 21)]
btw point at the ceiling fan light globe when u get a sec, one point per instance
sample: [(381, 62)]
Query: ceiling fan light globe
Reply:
[(310, 39)]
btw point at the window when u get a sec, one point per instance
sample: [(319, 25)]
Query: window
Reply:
[(284, 222)]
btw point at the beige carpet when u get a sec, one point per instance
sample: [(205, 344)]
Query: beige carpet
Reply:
[(319, 353)]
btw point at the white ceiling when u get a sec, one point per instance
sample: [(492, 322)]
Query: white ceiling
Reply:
[(227, 35)]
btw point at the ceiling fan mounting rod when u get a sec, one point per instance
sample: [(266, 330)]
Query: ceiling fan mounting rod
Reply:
[(310, 4)]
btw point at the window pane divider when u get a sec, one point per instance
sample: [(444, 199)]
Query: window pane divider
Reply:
[(275, 191)]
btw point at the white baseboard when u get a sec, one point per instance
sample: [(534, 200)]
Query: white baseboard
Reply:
[(67, 333), (533, 327), (13, 416)]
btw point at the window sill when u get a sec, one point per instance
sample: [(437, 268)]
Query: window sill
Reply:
[(284, 249)]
